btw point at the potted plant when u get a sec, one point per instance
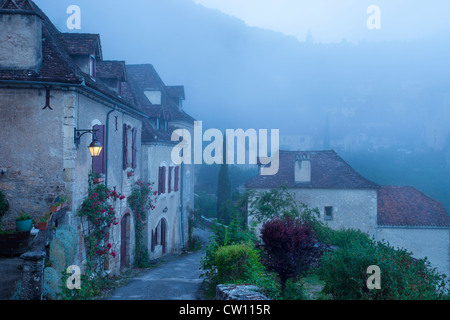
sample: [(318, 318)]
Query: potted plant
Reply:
[(99, 178), (55, 207), (63, 201), (43, 222), (24, 223), (130, 173)]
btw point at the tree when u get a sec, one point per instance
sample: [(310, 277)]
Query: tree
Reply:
[(289, 247), (224, 194)]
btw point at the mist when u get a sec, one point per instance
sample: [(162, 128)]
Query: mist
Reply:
[(380, 99)]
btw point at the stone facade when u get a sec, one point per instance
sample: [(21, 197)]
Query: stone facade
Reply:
[(402, 216), (49, 89)]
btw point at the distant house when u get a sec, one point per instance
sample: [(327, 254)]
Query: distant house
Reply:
[(403, 216)]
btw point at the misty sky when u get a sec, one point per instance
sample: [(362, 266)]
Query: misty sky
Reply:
[(336, 20)]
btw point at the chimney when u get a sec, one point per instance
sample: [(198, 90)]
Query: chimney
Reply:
[(302, 168), (20, 36)]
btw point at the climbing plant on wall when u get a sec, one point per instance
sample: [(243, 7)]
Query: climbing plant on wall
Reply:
[(98, 208), (141, 201)]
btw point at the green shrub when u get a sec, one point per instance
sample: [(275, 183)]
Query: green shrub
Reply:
[(344, 272), (237, 263), (52, 284), (4, 205)]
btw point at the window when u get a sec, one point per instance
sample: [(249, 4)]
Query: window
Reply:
[(328, 213)]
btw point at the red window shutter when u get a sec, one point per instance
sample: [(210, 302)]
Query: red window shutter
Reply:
[(163, 183), (125, 147), (98, 163), (177, 178), (160, 180), (134, 149), (170, 180)]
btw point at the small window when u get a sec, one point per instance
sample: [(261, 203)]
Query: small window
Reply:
[(157, 124), (328, 213)]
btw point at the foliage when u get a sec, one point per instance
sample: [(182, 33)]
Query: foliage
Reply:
[(237, 263), (402, 277), (4, 204), (289, 247), (23, 216), (100, 213), (224, 196), (224, 236), (206, 204), (141, 202), (276, 204), (194, 242)]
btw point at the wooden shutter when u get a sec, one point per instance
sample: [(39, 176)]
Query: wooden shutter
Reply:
[(125, 147), (177, 178), (134, 149), (98, 163), (170, 180), (163, 177)]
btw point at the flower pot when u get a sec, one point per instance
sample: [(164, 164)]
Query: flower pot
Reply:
[(99, 180), (130, 174), (42, 226), (24, 225), (14, 244)]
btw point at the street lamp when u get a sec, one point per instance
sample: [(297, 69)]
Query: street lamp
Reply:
[(95, 148)]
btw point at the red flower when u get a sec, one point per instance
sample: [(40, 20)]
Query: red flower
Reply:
[(113, 254)]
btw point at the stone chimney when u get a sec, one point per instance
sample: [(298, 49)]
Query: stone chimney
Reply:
[(302, 168), (20, 36)]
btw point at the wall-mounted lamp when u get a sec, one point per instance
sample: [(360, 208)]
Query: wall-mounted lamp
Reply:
[(95, 148)]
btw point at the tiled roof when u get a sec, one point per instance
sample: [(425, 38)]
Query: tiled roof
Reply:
[(58, 49), (150, 134), (328, 171), (82, 44), (111, 69), (143, 77), (406, 206), (175, 92)]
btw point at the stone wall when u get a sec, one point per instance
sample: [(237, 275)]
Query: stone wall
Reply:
[(167, 206), (355, 209), (31, 140), (21, 42), (433, 243), (239, 292)]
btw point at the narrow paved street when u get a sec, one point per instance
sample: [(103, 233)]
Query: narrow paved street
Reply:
[(176, 279)]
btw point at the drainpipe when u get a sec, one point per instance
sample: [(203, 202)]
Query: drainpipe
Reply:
[(107, 144), (181, 204)]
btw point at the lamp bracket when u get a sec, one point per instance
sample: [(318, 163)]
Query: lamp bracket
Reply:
[(79, 133)]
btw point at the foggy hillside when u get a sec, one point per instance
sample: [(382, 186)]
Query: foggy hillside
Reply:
[(343, 96), (244, 77)]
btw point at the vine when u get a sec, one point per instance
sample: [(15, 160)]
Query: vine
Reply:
[(141, 202), (97, 208)]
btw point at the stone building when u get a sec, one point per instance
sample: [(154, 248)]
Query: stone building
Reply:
[(52, 85), (403, 216), (167, 227)]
